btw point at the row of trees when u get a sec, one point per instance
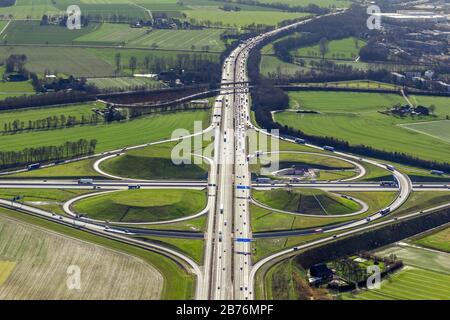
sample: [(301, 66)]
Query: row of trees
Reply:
[(45, 99), (54, 122), (68, 150)]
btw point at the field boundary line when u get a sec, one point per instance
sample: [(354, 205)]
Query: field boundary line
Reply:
[(405, 126)]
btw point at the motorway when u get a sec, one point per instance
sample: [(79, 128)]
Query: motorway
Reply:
[(227, 271)]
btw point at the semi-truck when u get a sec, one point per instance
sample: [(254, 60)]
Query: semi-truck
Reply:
[(34, 166), (133, 186), (388, 183), (85, 181), (328, 148), (263, 180), (390, 167)]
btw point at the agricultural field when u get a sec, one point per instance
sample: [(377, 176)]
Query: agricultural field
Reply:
[(306, 201), (80, 62), (241, 18), (155, 163), (435, 129), (264, 220), (46, 199), (31, 32), (38, 259), (124, 82), (346, 49), (321, 3), (439, 240), (142, 205), (358, 122), (273, 65), (92, 62), (116, 34), (426, 271), (409, 284), (72, 170), (111, 136)]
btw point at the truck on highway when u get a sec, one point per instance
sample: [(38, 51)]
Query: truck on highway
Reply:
[(34, 166), (221, 208), (86, 181), (263, 180), (385, 211), (134, 186), (328, 148), (390, 167), (300, 141), (437, 172), (388, 184)]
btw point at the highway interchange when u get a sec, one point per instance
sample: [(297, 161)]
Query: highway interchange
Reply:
[(227, 271)]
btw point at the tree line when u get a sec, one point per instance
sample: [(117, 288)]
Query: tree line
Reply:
[(55, 122), (45, 99), (68, 150)]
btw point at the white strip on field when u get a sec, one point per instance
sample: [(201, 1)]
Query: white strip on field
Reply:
[(407, 126), (4, 28)]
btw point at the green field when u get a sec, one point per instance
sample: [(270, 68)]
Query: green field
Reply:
[(241, 18), (154, 162), (91, 62), (354, 117), (207, 39), (263, 220), (31, 32), (73, 170), (409, 284), (125, 82), (435, 129), (111, 136), (347, 49), (115, 34), (142, 205), (418, 201), (425, 276), (437, 240), (194, 248), (321, 3), (47, 199), (306, 201)]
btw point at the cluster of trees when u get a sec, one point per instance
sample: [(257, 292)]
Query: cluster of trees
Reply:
[(15, 63), (68, 150), (59, 84), (196, 68), (311, 8), (54, 122)]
